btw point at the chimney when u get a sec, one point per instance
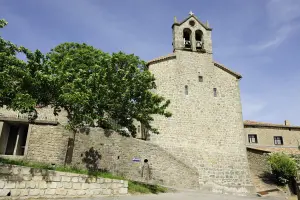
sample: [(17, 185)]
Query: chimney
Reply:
[(287, 122)]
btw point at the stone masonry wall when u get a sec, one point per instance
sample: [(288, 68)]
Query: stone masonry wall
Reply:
[(24, 182), (204, 132), (125, 156), (47, 143)]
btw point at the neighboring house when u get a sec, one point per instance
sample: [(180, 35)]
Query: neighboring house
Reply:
[(272, 137)]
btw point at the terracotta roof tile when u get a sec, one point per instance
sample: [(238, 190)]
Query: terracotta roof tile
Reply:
[(237, 75), (265, 124)]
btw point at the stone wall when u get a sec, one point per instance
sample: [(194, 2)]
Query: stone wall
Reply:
[(205, 132), (47, 143), (24, 182), (125, 156)]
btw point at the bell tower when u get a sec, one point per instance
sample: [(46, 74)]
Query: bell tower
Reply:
[(192, 35)]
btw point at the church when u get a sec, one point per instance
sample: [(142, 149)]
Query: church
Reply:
[(205, 145), (206, 127)]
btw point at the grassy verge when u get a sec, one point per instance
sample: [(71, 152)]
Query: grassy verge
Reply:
[(133, 186)]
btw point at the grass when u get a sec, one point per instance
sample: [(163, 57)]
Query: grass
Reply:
[(134, 187)]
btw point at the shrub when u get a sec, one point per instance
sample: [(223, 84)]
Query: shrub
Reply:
[(283, 167)]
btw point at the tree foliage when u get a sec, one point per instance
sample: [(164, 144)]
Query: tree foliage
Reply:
[(95, 88), (21, 83), (283, 167)]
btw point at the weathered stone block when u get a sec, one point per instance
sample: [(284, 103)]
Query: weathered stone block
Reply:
[(52, 185), (27, 177), (114, 185), (34, 192), (67, 185), (61, 192), (59, 185), (24, 192), (42, 192), (65, 179), (74, 179), (55, 178), (2, 183), (94, 186), (37, 178), (81, 179), (85, 186), (15, 192), (81, 192), (107, 180), (72, 192), (31, 184), (97, 191), (100, 180), (16, 170), (4, 192), (50, 191), (10, 185), (20, 185), (123, 190), (107, 191), (42, 184), (77, 186)]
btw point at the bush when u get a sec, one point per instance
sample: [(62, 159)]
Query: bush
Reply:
[(283, 167)]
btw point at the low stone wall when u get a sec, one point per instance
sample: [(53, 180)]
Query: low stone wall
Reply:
[(24, 182), (135, 159)]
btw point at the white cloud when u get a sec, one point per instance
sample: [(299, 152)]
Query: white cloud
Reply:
[(282, 11), (278, 38), (281, 23)]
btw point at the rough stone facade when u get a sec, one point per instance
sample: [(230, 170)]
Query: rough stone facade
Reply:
[(206, 129), (23, 182)]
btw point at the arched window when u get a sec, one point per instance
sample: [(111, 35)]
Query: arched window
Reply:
[(199, 39), (187, 38)]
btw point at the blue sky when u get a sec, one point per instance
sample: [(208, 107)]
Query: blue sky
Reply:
[(258, 38)]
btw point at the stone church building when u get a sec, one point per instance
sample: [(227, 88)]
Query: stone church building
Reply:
[(202, 146)]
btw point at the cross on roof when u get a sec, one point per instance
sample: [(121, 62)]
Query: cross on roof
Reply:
[(191, 13)]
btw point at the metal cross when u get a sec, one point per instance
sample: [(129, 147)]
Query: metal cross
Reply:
[(191, 13)]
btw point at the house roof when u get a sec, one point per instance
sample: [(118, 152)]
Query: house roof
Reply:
[(265, 124), (173, 55), (192, 16), (161, 58), (268, 149), (237, 75)]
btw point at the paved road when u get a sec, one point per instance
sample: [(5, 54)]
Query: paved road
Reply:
[(186, 196)]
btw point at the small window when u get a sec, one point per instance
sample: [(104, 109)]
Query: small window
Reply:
[(215, 92), (278, 140), (200, 78), (252, 138), (186, 89)]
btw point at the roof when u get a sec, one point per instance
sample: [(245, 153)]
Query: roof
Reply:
[(265, 124), (173, 56), (166, 57), (269, 149), (237, 75), (205, 26)]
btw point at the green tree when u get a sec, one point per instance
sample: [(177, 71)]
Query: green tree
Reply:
[(282, 166), (21, 82), (95, 88), (99, 89)]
